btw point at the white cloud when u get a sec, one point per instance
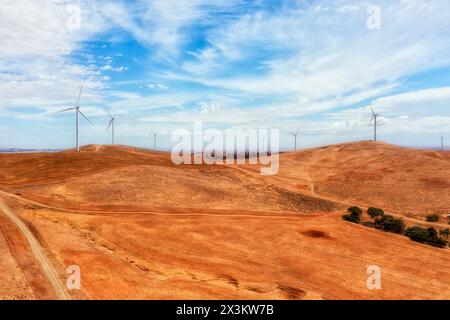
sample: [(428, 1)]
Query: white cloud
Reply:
[(419, 103), (161, 24), (108, 67), (157, 86), (328, 54), (258, 67), (36, 44)]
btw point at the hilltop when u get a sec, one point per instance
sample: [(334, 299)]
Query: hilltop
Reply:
[(404, 180), (409, 181), (140, 227), (123, 176)]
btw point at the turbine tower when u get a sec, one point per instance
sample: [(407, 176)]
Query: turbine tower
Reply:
[(154, 141), (77, 115), (295, 134), (374, 119), (442, 143), (112, 125)]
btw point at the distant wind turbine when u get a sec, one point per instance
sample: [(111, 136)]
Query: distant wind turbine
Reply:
[(77, 113), (442, 143), (154, 141), (295, 134), (111, 125), (375, 123)]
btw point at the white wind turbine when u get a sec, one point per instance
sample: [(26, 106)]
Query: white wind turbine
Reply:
[(111, 125), (77, 113), (295, 134), (374, 119)]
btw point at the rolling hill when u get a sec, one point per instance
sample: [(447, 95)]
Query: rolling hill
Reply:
[(140, 227), (408, 181)]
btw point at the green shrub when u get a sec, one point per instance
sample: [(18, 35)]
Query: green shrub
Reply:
[(429, 236), (354, 215), (432, 218), (438, 242), (432, 233), (368, 224), (352, 218), (375, 213), (417, 234), (390, 224), (445, 233), (355, 210)]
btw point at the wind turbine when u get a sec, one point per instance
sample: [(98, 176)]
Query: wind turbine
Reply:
[(154, 141), (442, 143), (374, 119), (295, 134), (112, 125), (77, 113)]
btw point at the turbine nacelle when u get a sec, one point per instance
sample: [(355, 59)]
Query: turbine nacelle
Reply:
[(77, 113), (374, 121), (295, 134), (111, 125)]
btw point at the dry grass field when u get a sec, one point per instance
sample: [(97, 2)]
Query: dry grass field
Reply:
[(140, 227)]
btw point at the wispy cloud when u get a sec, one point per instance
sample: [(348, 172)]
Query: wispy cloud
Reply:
[(312, 64)]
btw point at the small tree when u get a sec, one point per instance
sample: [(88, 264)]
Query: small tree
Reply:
[(375, 213), (417, 234), (390, 224), (432, 218), (438, 242), (445, 233), (354, 215), (429, 236), (351, 218), (432, 233), (355, 210)]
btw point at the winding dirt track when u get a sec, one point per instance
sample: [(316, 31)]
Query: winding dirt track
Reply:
[(165, 211), (38, 253), (312, 192)]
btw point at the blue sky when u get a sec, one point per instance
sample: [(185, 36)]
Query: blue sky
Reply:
[(159, 65)]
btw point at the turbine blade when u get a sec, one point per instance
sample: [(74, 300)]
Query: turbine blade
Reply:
[(68, 109), (85, 117), (109, 114), (79, 96), (109, 126), (371, 108), (373, 117)]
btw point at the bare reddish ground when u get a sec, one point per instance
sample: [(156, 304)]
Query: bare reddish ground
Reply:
[(140, 227), (409, 181), (21, 277), (14, 286)]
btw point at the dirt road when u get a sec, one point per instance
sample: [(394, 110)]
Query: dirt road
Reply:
[(312, 191), (167, 211), (38, 253)]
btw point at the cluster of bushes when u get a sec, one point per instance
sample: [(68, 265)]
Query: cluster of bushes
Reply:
[(354, 215), (432, 218), (388, 223), (429, 236)]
